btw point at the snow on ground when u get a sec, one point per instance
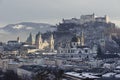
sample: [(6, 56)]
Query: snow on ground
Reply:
[(18, 27)]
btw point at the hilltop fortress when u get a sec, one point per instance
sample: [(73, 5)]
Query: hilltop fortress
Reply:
[(87, 18)]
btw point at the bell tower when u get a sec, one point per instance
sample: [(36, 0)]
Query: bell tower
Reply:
[(30, 39), (52, 43), (18, 39), (39, 41), (82, 39)]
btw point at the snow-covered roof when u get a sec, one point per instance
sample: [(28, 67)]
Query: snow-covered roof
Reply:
[(89, 75), (75, 74), (82, 75), (118, 67), (108, 74), (117, 76)]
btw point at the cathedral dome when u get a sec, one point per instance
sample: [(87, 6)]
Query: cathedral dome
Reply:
[(75, 39)]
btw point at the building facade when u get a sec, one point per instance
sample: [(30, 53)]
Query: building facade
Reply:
[(76, 49), (43, 44)]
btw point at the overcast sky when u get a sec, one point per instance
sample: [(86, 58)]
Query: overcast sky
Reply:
[(52, 11)]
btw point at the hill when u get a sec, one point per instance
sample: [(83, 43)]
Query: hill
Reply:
[(11, 31)]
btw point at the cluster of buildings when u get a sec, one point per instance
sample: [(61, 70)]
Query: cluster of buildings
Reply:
[(30, 46), (40, 43), (77, 60), (73, 56), (76, 48), (87, 18)]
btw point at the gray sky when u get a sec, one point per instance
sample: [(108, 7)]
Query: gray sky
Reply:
[(52, 11)]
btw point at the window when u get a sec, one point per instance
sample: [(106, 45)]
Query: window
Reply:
[(71, 56), (86, 51)]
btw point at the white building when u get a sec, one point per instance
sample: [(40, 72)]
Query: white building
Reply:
[(41, 45), (76, 49), (102, 19)]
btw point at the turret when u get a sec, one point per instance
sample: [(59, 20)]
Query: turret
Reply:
[(106, 18)]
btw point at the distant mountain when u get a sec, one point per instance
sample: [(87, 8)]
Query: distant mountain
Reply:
[(28, 27), (23, 29)]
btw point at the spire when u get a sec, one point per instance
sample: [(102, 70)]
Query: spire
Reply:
[(39, 41), (52, 42), (18, 39), (82, 39), (37, 35), (40, 38), (30, 39)]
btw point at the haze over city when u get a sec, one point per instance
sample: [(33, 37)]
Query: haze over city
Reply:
[(52, 11), (59, 39)]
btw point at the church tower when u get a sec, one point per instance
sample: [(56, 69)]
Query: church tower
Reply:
[(82, 39), (30, 39), (39, 41), (18, 39), (51, 43)]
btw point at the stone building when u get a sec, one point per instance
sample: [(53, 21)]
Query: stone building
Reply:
[(76, 48), (44, 44), (87, 18)]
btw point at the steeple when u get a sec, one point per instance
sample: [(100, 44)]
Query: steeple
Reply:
[(51, 43), (30, 39), (18, 39), (82, 39), (39, 41), (36, 37)]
